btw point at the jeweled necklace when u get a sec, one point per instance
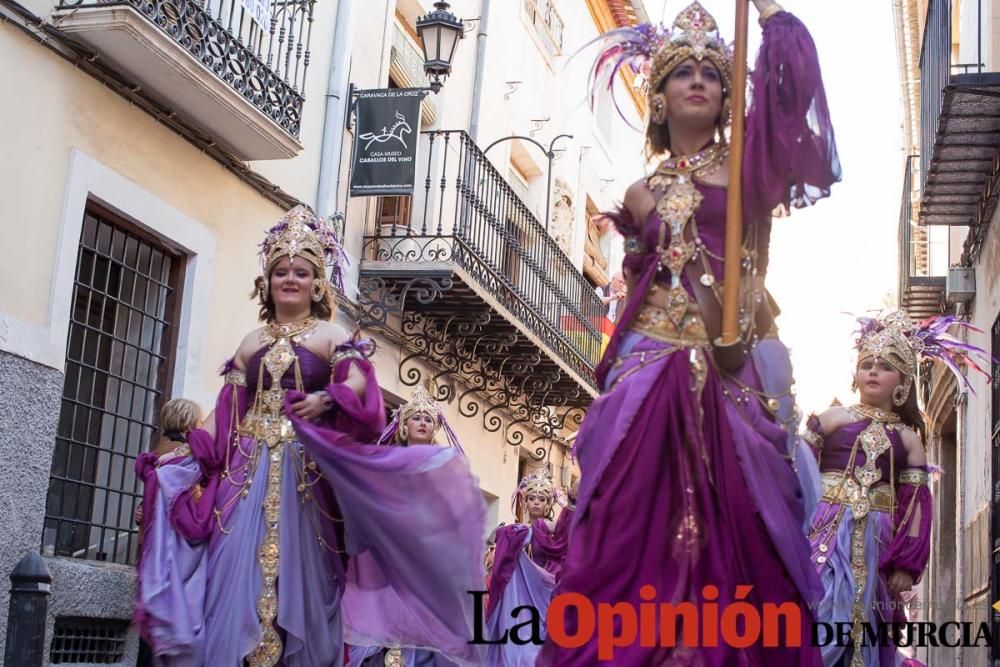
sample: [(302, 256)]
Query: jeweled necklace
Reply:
[(297, 331), (688, 164), (876, 414)]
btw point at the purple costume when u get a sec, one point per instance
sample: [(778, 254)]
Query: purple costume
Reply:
[(527, 564), (874, 519), (689, 476), (172, 560), (319, 540)]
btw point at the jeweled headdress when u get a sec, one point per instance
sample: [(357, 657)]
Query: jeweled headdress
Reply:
[(894, 339), (301, 233), (420, 402), (655, 50), (538, 483)]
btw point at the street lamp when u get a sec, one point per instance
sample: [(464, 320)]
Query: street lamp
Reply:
[(439, 33)]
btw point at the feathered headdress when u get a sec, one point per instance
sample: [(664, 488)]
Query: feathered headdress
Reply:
[(655, 50), (301, 233), (420, 402), (894, 339)]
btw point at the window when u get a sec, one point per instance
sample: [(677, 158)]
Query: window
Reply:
[(394, 215), (519, 184), (548, 25), (118, 357), (393, 212)]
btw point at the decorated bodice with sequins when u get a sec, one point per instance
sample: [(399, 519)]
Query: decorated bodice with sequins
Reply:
[(880, 438), (708, 230), (315, 370)]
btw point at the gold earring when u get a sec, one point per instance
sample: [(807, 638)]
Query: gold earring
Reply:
[(404, 433), (318, 290), (658, 108), (901, 393), (726, 117)]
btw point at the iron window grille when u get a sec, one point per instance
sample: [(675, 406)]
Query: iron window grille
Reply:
[(117, 367)]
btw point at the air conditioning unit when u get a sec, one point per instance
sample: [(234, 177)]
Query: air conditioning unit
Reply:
[(960, 286)]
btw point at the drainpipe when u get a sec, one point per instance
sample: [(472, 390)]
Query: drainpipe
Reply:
[(328, 187), (477, 84)]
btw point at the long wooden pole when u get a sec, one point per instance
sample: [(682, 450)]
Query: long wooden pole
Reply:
[(734, 197)]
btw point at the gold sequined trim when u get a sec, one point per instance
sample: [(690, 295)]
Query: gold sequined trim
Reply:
[(914, 476), (346, 354), (859, 567), (868, 412), (267, 427), (875, 442), (840, 491), (268, 652), (236, 377), (813, 438), (178, 452), (658, 324)]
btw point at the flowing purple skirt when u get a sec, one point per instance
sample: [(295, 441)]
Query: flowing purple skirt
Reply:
[(172, 575), (685, 487), (530, 585), (839, 582), (413, 523)]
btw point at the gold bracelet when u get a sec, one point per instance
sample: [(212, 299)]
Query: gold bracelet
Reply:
[(768, 12)]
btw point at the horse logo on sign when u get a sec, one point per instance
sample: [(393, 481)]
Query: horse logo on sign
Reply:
[(398, 129)]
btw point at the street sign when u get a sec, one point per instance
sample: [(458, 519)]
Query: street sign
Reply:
[(386, 133)]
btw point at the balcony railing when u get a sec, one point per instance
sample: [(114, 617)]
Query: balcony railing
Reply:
[(921, 295), (469, 215), (467, 281), (959, 123), (258, 48), (935, 71)]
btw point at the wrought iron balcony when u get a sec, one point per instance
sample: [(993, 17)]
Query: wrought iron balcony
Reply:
[(920, 294), (959, 127), (234, 69), (467, 279)]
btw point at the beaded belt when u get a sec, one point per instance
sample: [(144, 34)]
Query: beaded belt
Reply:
[(656, 323), (267, 421), (841, 491)]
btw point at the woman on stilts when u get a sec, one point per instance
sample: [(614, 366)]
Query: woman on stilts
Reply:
[(690, 458)]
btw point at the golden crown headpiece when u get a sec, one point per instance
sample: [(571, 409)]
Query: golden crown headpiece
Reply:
[(653, 51), (421, 403), (894, 339), (538, 483), (301, 233), (695, 34), (890, 339)]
